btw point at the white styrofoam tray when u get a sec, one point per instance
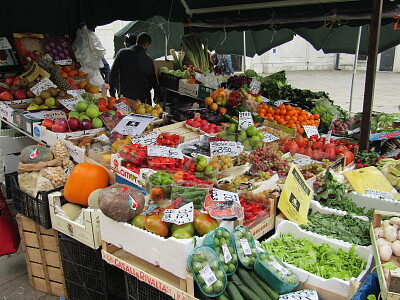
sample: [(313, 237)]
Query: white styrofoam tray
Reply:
[(335, 285), (169, 254)]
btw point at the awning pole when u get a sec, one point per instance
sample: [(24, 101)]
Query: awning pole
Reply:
[(355, 67), (166, 47), (370, 75), (244, 51)]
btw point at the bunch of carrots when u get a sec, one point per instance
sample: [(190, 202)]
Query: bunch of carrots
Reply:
[(289, 116)]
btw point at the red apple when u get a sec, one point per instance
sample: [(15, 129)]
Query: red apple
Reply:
[(62, 122), (20, 94), (189, 122), (73, 123), (16, 80), (85, 124), (9, 81), (204, 122), (196, 124), (197, 119), (59, 128), (6, 96), (48, 124)]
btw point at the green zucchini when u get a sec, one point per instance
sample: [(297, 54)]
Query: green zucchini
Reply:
[(222, 297), (250, 283), (236, 279), (246, 292), (231, 119), (233, 292), (272, 294)]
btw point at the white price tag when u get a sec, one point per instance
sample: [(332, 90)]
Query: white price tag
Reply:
[(123, 108), (269, 137), (145, 139), (378, 194), (179, 216), (279, 102), (245, 120), (311, 130), (54, 115), (300, 295), (357, 130), (245, 246), (224, 196), (164, 152), (4, 43), (68, 170), (227, 254), (76, 92), (133, 124), (63, 62), (208, 275), (255, 86), (70, 104), (223, 148), (77, 154), (280, 268), (302, 161), (42, 85)]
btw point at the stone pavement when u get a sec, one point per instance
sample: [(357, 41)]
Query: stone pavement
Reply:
[(338, 84)]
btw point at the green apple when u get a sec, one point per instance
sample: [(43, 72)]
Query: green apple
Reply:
[(260, 135), (222, 134), (93, 111), (187, 227), (97, 123), (73, 114), (246, 145), (232, 128), (50, 102), (43, 106), (82, 106), (255, 140), (251, 130), (84, 117), (242, 135)]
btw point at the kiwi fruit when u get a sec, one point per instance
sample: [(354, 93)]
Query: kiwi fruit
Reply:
[(29, 94), (31, 84), (38, 100), (23, 82), (61, 93), (44, 95), (53, 91), (68, 96)]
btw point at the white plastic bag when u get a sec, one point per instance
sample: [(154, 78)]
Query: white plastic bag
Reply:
[(89, 51)]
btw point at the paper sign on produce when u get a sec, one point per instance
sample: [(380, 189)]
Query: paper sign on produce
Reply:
[(145, 139), (164, 152), (295, 197), (70, 104), (245, 120), (223, 148), (42, 85), (179, 216), (133, 124)]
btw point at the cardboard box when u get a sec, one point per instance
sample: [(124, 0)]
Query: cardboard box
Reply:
[(181, 129), (169, 254), (334, 285), (10, 145), (158, 63), (87, 233), (10, 163), (390, 289), (130, 176)]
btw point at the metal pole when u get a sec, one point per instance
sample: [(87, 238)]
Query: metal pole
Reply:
[(355, 67), (244, 51), (370, 75), (166, 47)]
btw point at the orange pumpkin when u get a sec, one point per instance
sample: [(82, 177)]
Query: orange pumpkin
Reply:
[(83, 180)]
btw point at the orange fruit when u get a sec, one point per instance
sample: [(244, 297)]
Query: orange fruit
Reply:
[(64, 75), (67, 69), (82, 84), (214, 106), (87, 86), (209, 100), (80, 73), (93, 89), (222, 110)]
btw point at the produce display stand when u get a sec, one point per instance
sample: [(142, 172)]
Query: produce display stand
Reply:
[(177, 288), (393, 282), (42, 255)]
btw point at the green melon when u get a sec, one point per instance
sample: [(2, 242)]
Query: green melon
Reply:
[(93, 200), (33, 154)]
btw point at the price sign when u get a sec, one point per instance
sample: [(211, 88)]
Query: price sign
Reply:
[(227, 254), (295, 197), (123, 108), (76, 92), (280, 268), (179, 216), (63, 62), (223, 148), (300, 295), (245, 246), (145, 139), (269, 137), (164, 152), (4, 43), (208, 275), (245, 120), (70, 104), (279, 102), (54, 115), (255, 86), (302, 161), (357, 130), (378, 194), (133, 124), (224, 196), (77, 154), (42, 85), (311, 130)]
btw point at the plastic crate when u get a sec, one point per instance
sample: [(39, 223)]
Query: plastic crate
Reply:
[(140, 290), (87, 275), (204, 92), (35, 208), (169, 81)]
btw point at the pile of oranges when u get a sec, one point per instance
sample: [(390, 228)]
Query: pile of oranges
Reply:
[(68, 71), (289, 116)]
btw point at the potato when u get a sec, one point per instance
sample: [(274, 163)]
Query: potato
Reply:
[(385, 252), (390, 233), (396, 248), (379, 232), (395, 220), (382, 241)]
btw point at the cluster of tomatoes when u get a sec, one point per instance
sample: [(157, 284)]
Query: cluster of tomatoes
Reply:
[(168, 139), (252, 210), (289, 116), (109, 104), (189, 179)]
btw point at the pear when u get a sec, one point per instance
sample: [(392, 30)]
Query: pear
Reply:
[(148, 108), (141, 110), (154, 113), (158, 108)]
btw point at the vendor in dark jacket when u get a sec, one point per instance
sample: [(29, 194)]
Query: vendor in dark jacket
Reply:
[(135, 70)]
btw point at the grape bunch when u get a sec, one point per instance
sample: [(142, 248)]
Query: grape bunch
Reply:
[(311, 170), (234, 98)]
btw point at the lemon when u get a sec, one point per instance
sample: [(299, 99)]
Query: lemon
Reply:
[(258, 99)]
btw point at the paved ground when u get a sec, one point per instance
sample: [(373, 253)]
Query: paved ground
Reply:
[(338, 85), (14, 283)]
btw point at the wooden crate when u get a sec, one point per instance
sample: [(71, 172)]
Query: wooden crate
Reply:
[(180, 128), (166, 282), (389, 288), (42, 257)]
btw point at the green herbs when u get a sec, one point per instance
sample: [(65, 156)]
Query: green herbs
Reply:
[(346, 228), (333, 195), (319, 259)]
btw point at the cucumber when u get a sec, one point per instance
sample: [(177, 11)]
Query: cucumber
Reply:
[(222, 297), (236, 279), (231, 119), (250, 283), (233, 292), (246, 292), (272, 294)]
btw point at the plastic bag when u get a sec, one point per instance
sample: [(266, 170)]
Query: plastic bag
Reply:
[(56, 175), (43, 184), (27, 182), (89, 51)]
